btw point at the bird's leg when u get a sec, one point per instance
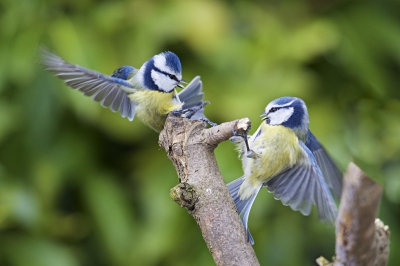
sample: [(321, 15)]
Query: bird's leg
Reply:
[(242, 137), (236, 139), (206, 120), (189, 112), (178, 112)]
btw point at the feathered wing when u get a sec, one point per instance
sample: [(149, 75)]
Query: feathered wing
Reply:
[(303, 185), (108, 91), (243, 206), (331, 173), (192, 96)]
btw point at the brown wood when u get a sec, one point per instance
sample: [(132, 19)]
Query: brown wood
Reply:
[(201, 189), (360, 238)]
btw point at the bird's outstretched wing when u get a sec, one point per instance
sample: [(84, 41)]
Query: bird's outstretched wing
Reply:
[(331, 173), (109, 91), (192, 96), (303, 185)]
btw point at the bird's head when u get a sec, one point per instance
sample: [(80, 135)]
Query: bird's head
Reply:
[(289, 112), (163, 72)]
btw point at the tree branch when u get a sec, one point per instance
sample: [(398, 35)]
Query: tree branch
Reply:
[(360, 238), (202, 191)]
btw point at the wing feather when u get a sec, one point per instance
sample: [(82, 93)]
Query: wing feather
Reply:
[(109, 91), (303, 185), (330, 171)]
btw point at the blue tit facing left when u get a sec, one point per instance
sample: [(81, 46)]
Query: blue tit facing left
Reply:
[(148, 93), (286, 158)]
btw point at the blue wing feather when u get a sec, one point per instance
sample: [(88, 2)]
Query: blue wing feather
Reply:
[(302, 185), (109, 91), (330, 171)]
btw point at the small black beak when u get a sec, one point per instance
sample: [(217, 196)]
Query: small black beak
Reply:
[(264, 116), (182, 81)]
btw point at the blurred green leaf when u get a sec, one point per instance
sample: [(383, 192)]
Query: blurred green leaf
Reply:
[(24, 250)]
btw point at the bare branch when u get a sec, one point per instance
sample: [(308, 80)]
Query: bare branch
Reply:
[(202, 190), (360, 239)]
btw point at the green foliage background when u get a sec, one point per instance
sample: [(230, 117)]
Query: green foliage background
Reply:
[(79, 185)]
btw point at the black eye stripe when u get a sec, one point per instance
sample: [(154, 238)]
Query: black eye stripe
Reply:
[(171, 76), (273, 109)]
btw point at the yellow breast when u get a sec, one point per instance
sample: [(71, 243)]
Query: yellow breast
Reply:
[(279, 150), (152, 107)]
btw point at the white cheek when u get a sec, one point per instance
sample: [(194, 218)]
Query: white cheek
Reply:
[(162, 81), (280, 116)]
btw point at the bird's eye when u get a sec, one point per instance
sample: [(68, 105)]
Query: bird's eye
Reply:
[(274, 109), (171, 76), (120, 70)]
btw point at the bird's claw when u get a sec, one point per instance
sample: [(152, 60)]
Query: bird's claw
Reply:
[(178, 112), (252, 155), (236, 138), (189, 112), (243, 125), (207, 121)]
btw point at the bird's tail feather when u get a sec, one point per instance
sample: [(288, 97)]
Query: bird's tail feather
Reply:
[(192, 96), (243, 206)]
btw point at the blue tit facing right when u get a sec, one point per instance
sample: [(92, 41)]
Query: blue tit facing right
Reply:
[(286, 158), (148, 93)]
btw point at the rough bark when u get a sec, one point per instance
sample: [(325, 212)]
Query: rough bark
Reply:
[(358, 242), (361, 239), (201, 189)]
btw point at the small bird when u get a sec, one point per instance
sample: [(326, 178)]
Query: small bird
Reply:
[(148, 92), (284, 156)]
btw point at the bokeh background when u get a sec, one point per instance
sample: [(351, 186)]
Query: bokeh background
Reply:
[(79, 185)]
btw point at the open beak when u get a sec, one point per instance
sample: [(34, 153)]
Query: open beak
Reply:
[(263, 116), (180, 85)]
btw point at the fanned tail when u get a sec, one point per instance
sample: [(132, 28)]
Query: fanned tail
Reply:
[(243, 206), (192, 96)]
